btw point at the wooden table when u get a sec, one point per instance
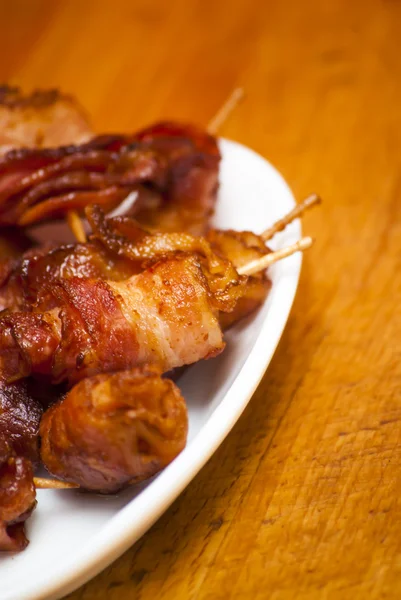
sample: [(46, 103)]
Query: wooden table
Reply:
[(302, 499)]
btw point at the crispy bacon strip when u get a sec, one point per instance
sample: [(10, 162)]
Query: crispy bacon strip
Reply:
[(114, 430), (59, 206), (23, 169)]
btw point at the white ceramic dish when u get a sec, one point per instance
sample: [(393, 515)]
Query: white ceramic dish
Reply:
[(74, 536)]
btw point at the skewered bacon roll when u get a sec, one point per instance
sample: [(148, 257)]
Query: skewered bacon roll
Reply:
[(125, 247), (110, 431), (176, 182), (23, 280), (166, 316), (52, 163), (114, 430)]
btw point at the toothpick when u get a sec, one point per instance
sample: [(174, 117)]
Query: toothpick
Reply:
[(41, 483), (309, 202), (223, 113), (260, 264), (76, 226)]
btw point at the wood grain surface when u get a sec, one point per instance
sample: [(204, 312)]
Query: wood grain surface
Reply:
[(302, 499)]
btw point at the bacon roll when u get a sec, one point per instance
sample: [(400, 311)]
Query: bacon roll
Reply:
[(110, 431), (164, 316), (53, 163)]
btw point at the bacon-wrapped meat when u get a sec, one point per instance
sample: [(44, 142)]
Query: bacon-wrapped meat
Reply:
[(176, 186), (166, 316), (17, 498), (173, 168), (114, 430)]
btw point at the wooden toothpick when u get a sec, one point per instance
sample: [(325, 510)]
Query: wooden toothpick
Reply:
[(76, 226), (224, 111), (297, 211), (260, 264), (42, 483)]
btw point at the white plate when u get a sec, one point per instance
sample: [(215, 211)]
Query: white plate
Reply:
[(74, 536)]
